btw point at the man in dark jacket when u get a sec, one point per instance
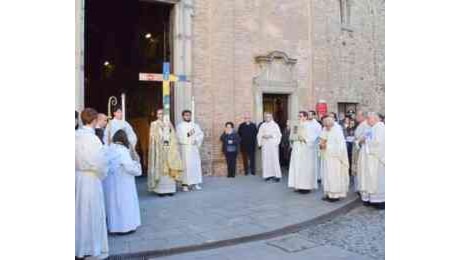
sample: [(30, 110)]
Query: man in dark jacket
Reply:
[(100, 126), (248, 133)]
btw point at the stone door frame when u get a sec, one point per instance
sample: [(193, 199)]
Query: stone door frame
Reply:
[(284, 83)]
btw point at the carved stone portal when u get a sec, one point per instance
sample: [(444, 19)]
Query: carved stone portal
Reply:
[(276, 76)]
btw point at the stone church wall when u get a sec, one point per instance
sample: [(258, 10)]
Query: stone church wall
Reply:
[(336, 62)]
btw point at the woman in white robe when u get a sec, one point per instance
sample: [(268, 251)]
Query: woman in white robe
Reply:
[(121, 200), (90, 169), (116, 124), (335, 162)]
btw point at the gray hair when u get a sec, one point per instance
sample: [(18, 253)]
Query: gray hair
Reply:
[(373, 114), (364, 114), (329, 121)]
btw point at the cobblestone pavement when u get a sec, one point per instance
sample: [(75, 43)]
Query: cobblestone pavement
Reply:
[(226, 208), (357, 235), (361, 231)]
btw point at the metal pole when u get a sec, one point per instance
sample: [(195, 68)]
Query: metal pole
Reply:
[(123, 105)]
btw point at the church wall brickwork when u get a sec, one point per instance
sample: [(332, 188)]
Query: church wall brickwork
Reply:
[(336, 63)]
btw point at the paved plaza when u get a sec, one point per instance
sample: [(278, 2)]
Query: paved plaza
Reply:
[(225, 209), (358, 235)]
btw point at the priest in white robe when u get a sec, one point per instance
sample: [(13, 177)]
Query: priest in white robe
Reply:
[(302, 168), (90, 169), (116, 124), (317, 128), (190, 138), (121, 201), (164, 164), (335, 162), (358, 157), (372, 184), (269, 138)]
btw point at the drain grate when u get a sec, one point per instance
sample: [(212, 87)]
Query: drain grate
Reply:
[(292, 244)]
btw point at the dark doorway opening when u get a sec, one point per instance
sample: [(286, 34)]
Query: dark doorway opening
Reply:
[(122, 39), (278, 106)]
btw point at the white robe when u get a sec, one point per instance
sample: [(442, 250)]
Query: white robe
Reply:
[(270, 149), (372, 187), (114, 125), (304, 158), (360, 131), (190, 153), (166, 184), (90, 170), (335, 164), (317, 128), (121, 201)]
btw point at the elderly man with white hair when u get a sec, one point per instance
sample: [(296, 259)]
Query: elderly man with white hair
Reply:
[(372, 181), (334, 162), (269, 138)]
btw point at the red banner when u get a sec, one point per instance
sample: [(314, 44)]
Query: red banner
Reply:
[(321, 109)]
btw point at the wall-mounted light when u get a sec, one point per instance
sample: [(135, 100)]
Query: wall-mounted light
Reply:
[(106, 63), (148, 36)]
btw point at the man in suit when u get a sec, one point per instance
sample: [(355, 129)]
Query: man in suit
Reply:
[(248, 133)]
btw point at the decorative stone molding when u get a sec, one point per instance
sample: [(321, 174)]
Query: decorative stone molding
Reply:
[(275, 55), (276, 76)]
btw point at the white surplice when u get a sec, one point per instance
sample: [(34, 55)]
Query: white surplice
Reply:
[(372, 186), (270, 149), (316, 128), (90, 170), (360, 165), (190, 153), (114, 125), (335, 164), (121, 200), (304, 157)]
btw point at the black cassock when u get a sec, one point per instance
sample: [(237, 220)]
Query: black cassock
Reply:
[(100, 134), (248, 134)]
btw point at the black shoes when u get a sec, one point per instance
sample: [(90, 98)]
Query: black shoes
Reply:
[(330, 199), (161, 195), (378, 206), (273, 179)]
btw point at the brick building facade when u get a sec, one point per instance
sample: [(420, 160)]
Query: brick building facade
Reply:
[(235, 51)]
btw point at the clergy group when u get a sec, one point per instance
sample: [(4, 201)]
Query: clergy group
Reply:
[(330, 154), (106, 164), (322, 153)]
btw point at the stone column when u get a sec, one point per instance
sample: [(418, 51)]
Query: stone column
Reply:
[(79, 51), (183, 13)]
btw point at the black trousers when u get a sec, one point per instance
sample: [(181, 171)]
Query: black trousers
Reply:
[(349, 152), (231, 164), (251, 156)]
